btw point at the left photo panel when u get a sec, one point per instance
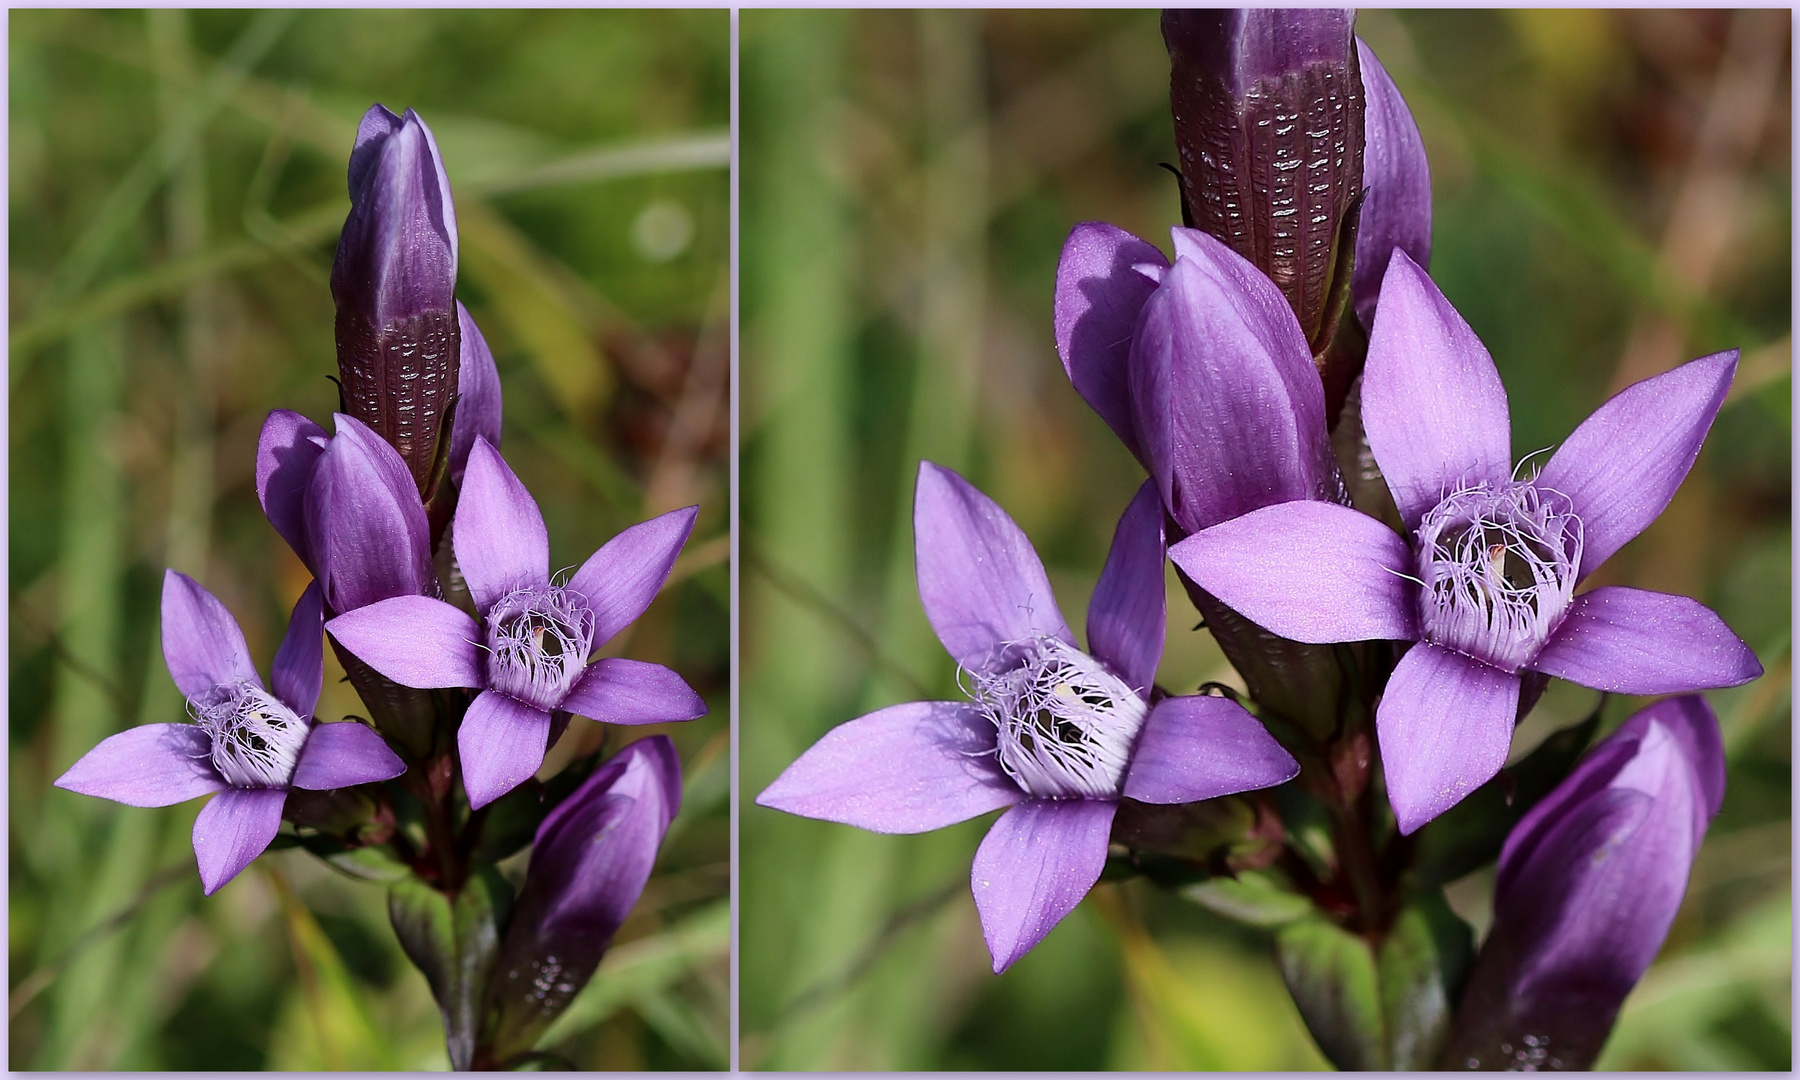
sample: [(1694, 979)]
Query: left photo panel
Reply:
[(369, 577)]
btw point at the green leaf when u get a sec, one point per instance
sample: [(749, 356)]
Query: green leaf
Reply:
[(1423, 962), (454, 942), (1255, 898), (1332, 976)]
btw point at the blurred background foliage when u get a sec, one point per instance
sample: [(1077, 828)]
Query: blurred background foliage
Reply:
[(1612, 198), (177, 187)]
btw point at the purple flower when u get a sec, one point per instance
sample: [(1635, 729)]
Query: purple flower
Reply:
[(1487, 583), (394, 280), (528, 654), (1396, 211), (248, 743), (1588, 885), (589, 863), (1057, 734)]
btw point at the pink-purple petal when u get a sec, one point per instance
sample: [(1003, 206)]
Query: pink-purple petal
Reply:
[(151, 765), (1621, 467), (286, 452), (1033, 867), (1396, 212), (502, 743), (365, 524), (299, 671), (1633, 641), (614, 690), (1099, 292), (478, 407), (1310, 571), (416, 641), (1195, 748), (1126, 619), (234, 828), (344, 755), (1432, 402), (499, 534), (1445, 724), (621, 579), (201, 641), (904, 769)]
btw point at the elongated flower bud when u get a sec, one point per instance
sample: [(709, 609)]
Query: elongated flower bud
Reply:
[(398, 338), (1589, 883), (1268, 111)]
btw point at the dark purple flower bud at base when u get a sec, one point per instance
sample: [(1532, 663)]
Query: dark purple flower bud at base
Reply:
[(398, 335), (1588, 885)]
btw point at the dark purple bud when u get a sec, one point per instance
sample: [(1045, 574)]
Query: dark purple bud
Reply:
[(1268, 109), (1396, 212), (589, 863), (1588, 885), (394, 280)]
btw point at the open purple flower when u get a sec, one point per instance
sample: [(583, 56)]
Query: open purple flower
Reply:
[(1487, 583), (1057, 734), (1588, 885), (248, 743), (528, 654)]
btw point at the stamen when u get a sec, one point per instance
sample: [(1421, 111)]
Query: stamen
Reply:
[(1066, 724), (538, 641), (256, 739)]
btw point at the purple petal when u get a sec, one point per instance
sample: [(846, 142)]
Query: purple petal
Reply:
[(619, 691), (1633, 641), (299, 671), (1195, 748), (1622, 465), (621, 579), (1099, 293), (1126, 619), (286, 452), (1445, 723), (1396, 212), (1229, 408), (1034, 866), (502, 743), (1243, 47), (344, 755), (903, 769), (1310, 571), (365, 524), (151, 765), (415, 641), (979, 577), (201, 641), (371, 132), (499, 534), (397, 253), (1432, 402), (234, 828), (478, 388)]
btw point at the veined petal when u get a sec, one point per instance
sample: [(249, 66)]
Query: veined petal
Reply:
[(1126, 619), (299, 671), (502, 743), (344, 755), (478, 390), (1633, 641), (621, 579), (614, 690), (365, 524), (1195, 748), (1432, 402), (1099, 293), (1444, 723), (201, 641), (286, 452), (150, 765), (1622, 465), (904, 769), (499, 534), (234, 828), (1396, 212), (415, 641), (979, 577), (1310, 571), (1034, 866)]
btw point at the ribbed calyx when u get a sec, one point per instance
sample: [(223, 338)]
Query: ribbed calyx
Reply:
[(538, 638), (1066, 724), (256, 740)]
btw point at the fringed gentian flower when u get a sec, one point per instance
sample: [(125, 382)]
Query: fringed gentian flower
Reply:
[(1486, 585), (1588, 885), (1056, 734), (528, 654), (248, 743)]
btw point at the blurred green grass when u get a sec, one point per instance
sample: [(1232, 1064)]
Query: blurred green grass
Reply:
[(177, 184), (1612, 197)]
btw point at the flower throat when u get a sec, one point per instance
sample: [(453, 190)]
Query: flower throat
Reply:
[(1066, 725)]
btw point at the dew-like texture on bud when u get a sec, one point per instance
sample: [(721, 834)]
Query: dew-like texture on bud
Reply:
[(1268, 108)]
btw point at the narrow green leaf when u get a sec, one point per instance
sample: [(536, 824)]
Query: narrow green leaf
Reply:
[(1332, 976), (454, 943), (1423, 962)]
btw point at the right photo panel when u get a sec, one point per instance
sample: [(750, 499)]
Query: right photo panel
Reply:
[(1265, 540)]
